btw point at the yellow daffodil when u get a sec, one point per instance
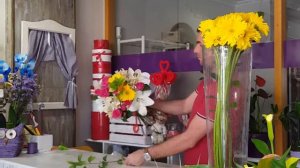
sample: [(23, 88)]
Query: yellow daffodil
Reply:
[(126, 93), (269, 119)]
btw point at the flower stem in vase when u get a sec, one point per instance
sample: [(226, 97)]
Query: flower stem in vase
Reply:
[(226, 60)]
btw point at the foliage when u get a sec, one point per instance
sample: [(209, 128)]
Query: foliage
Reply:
[(271, 160), (62, 148), (290, 118), (235, 32), (257, 103), (104, 163), (124, 92)]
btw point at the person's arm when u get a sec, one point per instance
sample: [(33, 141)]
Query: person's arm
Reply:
[(177, 144), (176, 107)]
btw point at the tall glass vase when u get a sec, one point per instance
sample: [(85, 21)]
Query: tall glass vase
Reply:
[(227, 76)]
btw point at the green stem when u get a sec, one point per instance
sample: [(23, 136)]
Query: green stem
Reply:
[(258, 115), (222, 127), (272, 146)]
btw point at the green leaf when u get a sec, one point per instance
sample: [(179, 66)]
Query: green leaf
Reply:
[(274, 108), (284, 118), (120, 161), (291, 162), (261, 146), (266, 162), (91, 158), (104, 164), (62, 147), (146, 87), (81, 163), (79, 157), (284, 156), (278, 163), (72, 166), (251, 164), (72, 163), (262, 93), (253, 103), (297, 108), (104, 158), (282, 161)]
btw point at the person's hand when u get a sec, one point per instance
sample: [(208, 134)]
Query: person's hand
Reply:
[(136, 158)]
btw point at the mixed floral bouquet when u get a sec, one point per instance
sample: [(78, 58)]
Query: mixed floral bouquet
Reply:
[(22, 89), (125, 92)]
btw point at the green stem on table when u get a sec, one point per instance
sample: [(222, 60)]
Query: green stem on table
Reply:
[(222, 137)]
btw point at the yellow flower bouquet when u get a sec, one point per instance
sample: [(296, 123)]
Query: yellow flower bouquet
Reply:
[(226, 39)]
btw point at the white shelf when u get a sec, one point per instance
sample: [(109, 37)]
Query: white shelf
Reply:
[(143, 41), (118, 143)]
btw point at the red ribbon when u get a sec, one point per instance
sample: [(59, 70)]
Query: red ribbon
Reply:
[(98, 55), (135, 127), (165, 76), (101, 67)]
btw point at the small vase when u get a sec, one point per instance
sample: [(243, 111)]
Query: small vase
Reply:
[(227, 74)]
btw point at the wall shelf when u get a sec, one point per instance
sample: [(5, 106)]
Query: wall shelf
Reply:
[(143, 41)]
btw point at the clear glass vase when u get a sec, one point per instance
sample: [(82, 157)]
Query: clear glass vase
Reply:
[(227, 76)]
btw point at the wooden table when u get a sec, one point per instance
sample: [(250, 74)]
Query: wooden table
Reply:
[(59, 159)]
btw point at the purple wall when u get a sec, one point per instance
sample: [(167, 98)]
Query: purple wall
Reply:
[(185, 60)]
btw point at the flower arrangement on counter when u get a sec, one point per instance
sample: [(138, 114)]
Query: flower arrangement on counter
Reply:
[(227, 37), (21, 88), (125, 92)]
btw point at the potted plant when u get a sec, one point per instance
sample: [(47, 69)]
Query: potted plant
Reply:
[(270, 159), (290, 119), (257, 125)]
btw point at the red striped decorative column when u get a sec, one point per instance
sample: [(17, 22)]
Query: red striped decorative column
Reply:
[(101, 61)]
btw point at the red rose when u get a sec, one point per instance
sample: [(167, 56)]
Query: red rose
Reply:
[(117, 114), (156, 78), (170, 77), (260, 81), (139, 86)]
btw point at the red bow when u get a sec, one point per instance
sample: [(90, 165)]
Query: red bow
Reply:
[(165, 76)]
